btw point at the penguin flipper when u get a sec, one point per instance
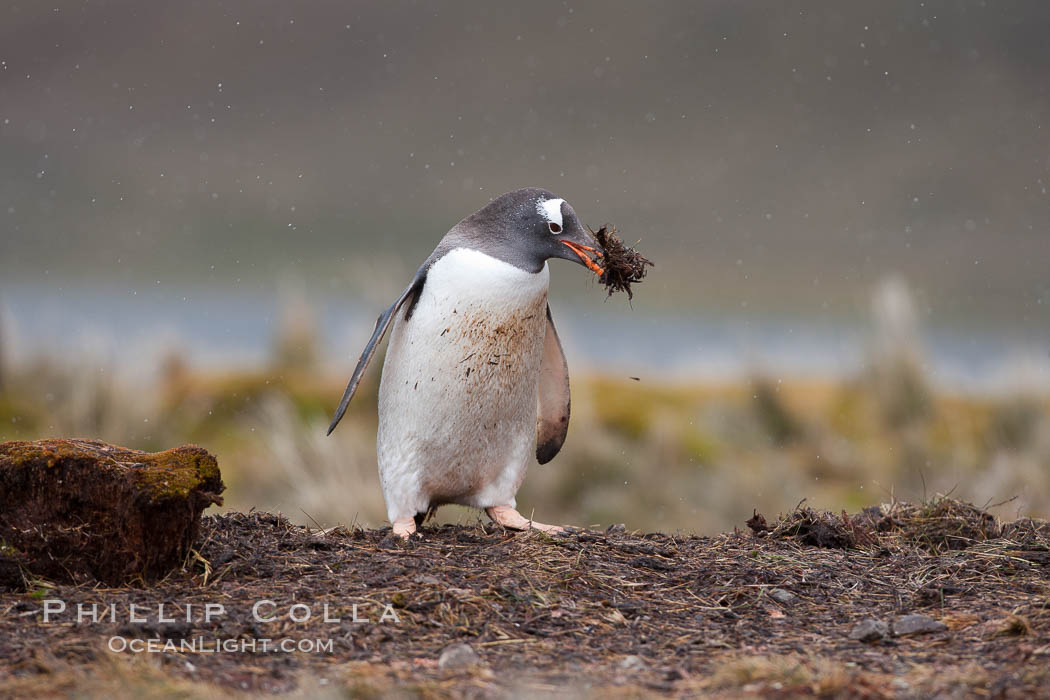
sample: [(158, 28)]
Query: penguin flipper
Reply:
[(552, 415), (410, 295)]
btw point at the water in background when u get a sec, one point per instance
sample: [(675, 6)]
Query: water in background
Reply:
[(133, 329)]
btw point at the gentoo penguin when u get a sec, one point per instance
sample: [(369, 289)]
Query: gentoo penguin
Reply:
[(474, 373)]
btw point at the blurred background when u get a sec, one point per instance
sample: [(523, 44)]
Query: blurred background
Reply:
[(205, 205)]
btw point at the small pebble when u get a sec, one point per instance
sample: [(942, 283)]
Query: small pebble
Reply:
[(782, 596), (458, 655), (917, 624), (459, 592), (428, 579), (633, 663), (870, 631)]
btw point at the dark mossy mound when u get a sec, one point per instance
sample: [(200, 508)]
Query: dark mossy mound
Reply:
[(72, 510), (810, 527)]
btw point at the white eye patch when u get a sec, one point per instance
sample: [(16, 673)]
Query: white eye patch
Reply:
[(550, 209)]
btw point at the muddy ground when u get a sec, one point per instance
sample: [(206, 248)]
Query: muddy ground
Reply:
[(767, 610)]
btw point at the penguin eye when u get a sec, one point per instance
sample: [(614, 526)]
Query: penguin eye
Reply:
[(555, 228)]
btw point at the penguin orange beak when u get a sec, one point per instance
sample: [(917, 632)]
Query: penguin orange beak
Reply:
[(582, 251)]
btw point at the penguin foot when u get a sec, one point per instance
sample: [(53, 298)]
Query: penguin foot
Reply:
[(513, 520), (404, 528)]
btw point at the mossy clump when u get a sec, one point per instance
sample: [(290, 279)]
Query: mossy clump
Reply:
[(622, 265), (178, 473), (74, 510)]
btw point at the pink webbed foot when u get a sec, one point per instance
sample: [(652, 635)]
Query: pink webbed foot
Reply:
[(513, 520), (404, 528)]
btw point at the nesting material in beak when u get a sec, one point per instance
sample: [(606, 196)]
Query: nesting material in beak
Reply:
[(582, 250), (624, 266)]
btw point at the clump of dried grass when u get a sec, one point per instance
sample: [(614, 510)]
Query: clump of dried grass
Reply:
[(939, 525)]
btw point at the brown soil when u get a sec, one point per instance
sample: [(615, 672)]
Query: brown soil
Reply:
[(622, 265), (592, 614)]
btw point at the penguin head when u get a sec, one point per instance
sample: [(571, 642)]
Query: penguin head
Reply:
[(527, 227)]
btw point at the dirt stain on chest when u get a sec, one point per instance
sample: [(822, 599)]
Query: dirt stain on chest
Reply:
[(500, 348)]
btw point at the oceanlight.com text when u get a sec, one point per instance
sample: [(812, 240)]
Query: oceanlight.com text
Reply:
[(219, 645)]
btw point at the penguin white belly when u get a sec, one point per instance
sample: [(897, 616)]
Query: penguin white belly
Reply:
[(457, 399)]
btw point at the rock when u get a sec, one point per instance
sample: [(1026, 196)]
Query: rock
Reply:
[(633, 663), (917, 624), (427, 579), (458, 655), (461, 593), (870, 631), (782, 596), (75, 510)]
